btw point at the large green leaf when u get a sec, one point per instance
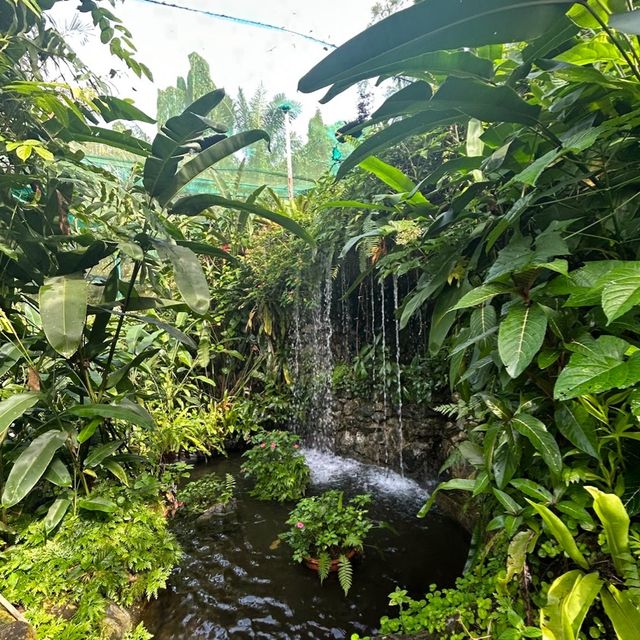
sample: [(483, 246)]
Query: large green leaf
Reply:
[(391, 176), (462, 64), (520, 336), (433, 25), (30, 466), (484, 101), (114, 412), (63, 308), (110, 138), (577, 426), (97, 504), (176, 139), (622, 611), (395, 133), (55, 514), (597, 366), (443, 316), (195, 205), (615, 522), (543, 442), (457, 484), (188, 274), (407, 101), (58, 474), (205, 159), (482, 294), (100, 453), (561, 533), (621, 292), (568, 601), (13, 407)]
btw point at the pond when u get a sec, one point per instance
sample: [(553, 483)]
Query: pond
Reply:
[(236, 582)]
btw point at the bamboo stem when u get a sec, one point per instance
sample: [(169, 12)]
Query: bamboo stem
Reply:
[(11, 609)]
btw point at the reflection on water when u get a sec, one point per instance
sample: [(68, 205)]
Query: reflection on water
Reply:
[(234, 582)]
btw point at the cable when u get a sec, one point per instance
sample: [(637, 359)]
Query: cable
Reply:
[(250, 23)]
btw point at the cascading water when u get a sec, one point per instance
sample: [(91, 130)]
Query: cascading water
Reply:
[(383, 322), (316, 364), (398, 377)]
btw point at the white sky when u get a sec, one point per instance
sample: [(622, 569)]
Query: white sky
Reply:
[(239, 55)]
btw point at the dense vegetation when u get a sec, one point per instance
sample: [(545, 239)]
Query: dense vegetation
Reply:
[(493, 195)]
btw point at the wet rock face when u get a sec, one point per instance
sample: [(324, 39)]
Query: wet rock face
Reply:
[(363, 431)]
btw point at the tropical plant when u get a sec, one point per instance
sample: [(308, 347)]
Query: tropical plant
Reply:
[(523, 251), (276, 466), (329, 530)]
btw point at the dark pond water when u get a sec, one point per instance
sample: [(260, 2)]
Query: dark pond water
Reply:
[(233, 582)]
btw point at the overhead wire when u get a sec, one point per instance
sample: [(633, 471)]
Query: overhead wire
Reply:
[(243, 21)]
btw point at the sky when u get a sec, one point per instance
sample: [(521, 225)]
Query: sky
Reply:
[(239, 55)]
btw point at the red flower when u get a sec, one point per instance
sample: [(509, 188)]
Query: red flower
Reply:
[(300, 525), (226, 247), (263, 445), (273, 445)]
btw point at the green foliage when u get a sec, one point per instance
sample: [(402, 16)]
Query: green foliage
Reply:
[(276, 466), (91, 559), (328, 528), (481, 604), (208, 491), (524, 257)]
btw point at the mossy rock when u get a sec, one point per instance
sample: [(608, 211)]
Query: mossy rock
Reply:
[(12, 629)]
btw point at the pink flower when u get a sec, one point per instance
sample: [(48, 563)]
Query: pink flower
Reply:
[(300, 525), (263, 445), (296, 446), (273, 445)]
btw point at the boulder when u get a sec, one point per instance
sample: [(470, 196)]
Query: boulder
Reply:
[(12, 629), (117, 623)]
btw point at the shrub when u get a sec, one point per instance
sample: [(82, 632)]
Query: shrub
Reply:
[(277, 467)]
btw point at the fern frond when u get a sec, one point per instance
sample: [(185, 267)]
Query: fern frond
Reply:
[(448, 410), (345, 573), (324, 565)]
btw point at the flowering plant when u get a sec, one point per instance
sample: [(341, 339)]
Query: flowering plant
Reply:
[(277, 466), (325, 531)]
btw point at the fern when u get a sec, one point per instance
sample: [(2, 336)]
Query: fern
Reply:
[(324, 565), (449, 410), (345, 573)]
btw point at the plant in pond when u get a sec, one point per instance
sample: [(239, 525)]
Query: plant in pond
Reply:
[(65, 580), (326, 531), (209, 491), (276, 465)]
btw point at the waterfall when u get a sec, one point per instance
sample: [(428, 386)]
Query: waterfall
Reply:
[(316, 364), (384, 370), (398, 376), (374, 375)]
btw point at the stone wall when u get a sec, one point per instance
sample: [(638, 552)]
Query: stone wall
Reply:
[(364, 432)]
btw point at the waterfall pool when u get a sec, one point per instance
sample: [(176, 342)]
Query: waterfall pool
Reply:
[(236, 582)]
